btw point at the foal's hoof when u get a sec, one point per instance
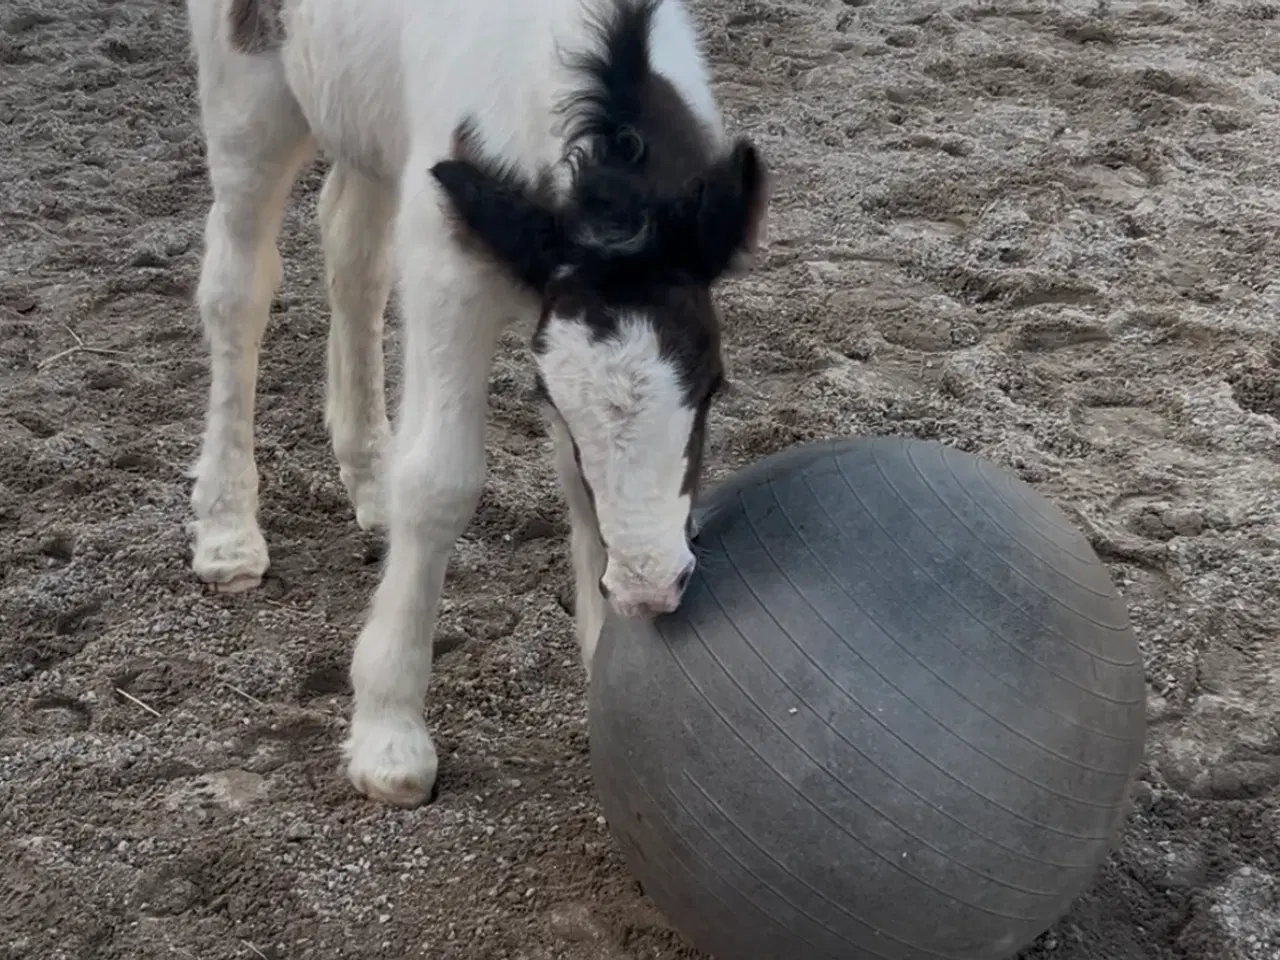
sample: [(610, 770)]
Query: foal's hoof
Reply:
[(368, 499), (241, 584), (229, 557), (392, 760), (371, 515)]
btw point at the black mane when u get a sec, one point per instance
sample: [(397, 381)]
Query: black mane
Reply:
[(626, 117), (654, 199)]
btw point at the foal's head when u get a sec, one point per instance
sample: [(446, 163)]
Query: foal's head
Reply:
[(628, 343)]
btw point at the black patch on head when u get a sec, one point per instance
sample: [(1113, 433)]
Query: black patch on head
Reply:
[(655, 213)]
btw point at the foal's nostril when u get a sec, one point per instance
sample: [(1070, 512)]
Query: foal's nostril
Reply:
[(682, 581)]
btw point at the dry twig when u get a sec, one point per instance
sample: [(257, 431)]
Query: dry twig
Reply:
[(80, 347), (248, 696), (132, 699)]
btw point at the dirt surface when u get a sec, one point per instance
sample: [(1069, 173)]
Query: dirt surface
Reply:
[(1047, 233)]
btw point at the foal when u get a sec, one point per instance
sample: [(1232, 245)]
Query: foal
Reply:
[(562, 160)]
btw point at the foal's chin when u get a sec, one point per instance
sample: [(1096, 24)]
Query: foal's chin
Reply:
[(638, 611)]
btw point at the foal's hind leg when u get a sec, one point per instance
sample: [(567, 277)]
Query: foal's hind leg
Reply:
[(356, 227), (257, 139)]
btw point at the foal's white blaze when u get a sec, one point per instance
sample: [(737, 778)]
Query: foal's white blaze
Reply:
[(624, 405)]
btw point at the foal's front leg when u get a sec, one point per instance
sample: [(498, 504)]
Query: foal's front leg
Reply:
[(585, 546), (454, 309)]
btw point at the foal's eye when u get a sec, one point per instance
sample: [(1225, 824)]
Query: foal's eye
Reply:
[(716, 386)]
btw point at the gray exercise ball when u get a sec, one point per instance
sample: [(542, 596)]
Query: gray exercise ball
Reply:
[(896, 717)]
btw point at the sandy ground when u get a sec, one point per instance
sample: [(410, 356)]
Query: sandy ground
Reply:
[(1045, 232)]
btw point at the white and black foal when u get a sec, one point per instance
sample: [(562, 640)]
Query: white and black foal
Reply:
[(554, 159)]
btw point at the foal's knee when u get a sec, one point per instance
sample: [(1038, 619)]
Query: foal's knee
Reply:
[(435, 487)]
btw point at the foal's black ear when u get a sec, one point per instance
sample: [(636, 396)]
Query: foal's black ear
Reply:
[(504, 215), (719, 223)]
